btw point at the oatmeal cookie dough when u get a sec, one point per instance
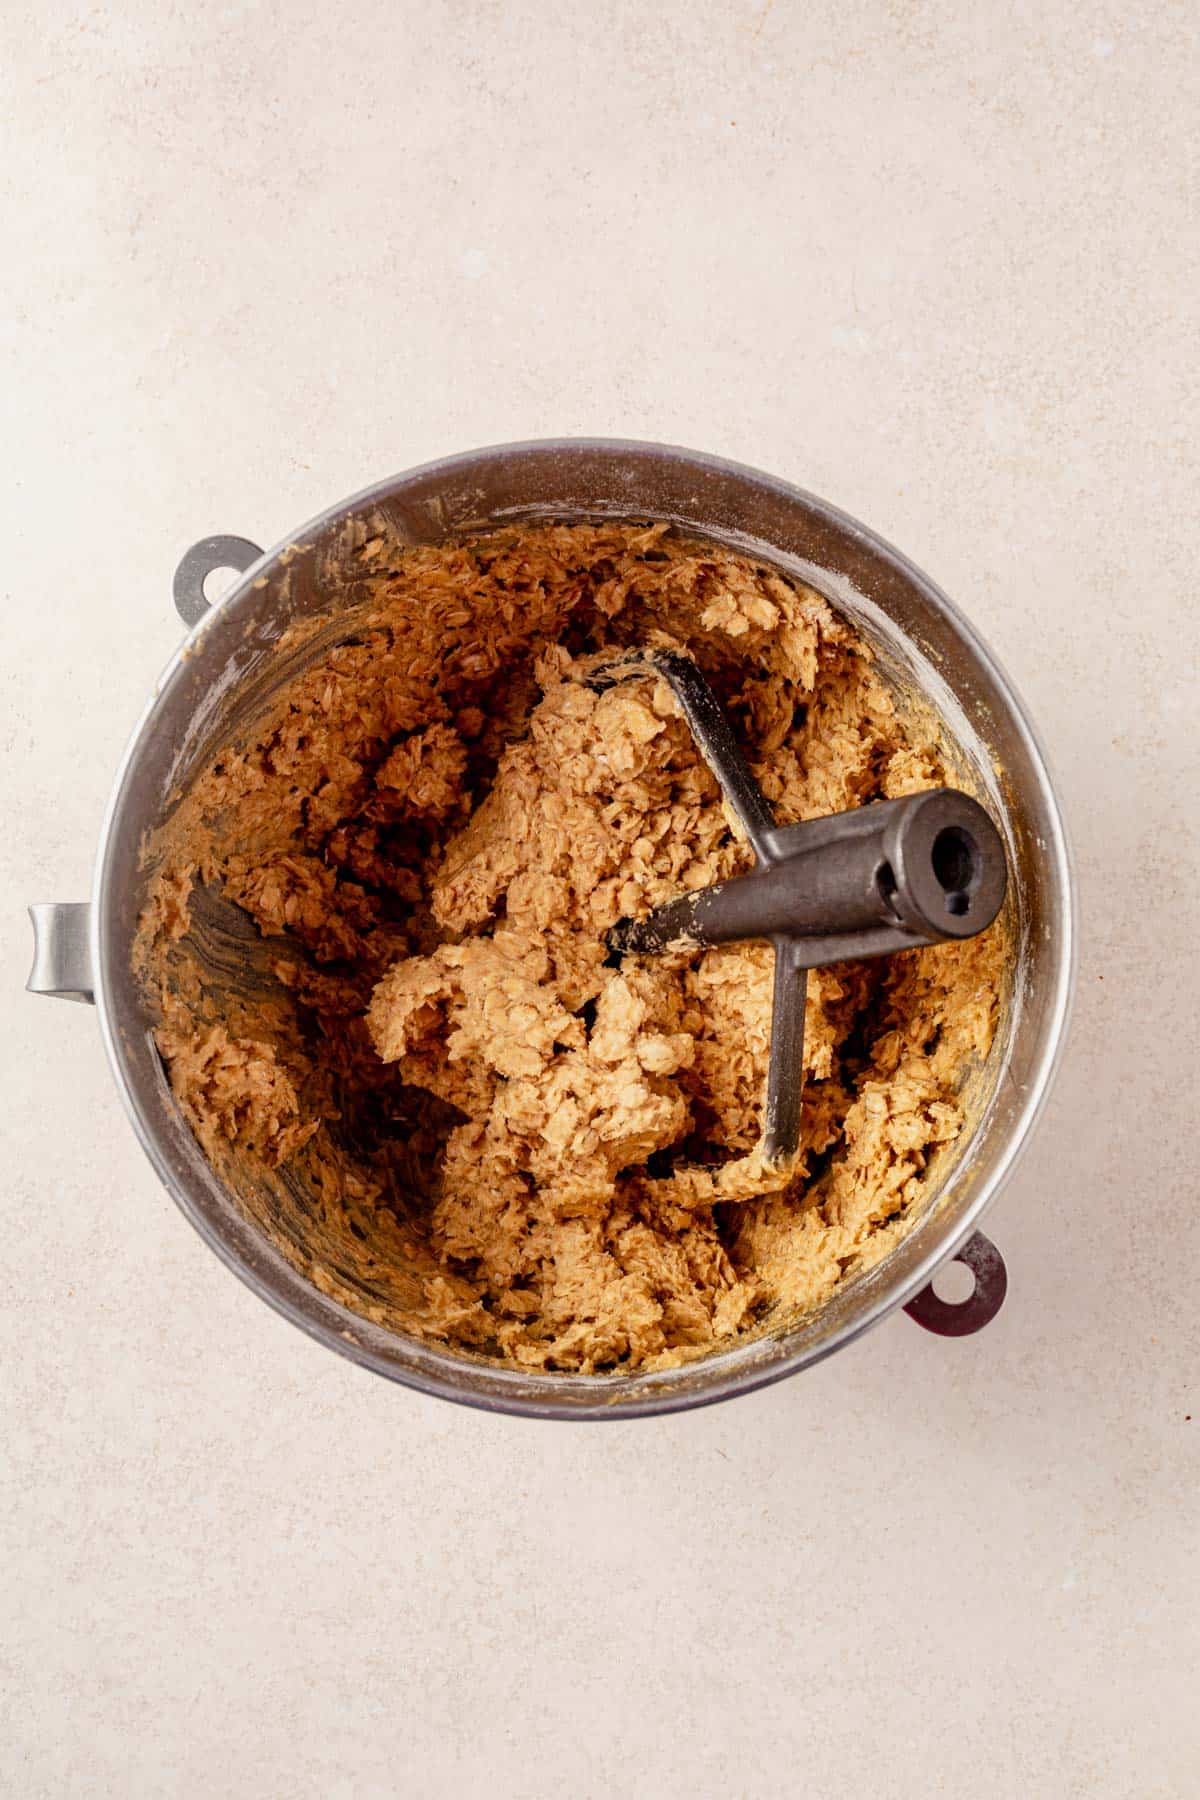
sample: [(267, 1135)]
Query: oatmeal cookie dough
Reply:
[(375, 952)]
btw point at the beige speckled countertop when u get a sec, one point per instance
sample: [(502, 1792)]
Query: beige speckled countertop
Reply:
[(934, 262)]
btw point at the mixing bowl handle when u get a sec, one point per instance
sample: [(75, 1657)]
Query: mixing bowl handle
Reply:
[(198, 564), (62, 953), (949, 1318)]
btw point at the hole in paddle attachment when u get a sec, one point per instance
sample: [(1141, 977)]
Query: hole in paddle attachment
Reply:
[(956, 864)]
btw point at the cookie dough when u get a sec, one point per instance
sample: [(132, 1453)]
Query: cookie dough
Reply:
[(375, 955)]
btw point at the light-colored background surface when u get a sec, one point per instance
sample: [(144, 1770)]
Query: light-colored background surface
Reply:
[(935, 263)]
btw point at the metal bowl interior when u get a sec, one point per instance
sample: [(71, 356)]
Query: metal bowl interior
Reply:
[(923, 643)]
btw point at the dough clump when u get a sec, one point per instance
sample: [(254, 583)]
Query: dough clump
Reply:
[(375, 953)]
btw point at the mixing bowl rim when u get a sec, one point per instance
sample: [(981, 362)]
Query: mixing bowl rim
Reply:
[(288, 1290)]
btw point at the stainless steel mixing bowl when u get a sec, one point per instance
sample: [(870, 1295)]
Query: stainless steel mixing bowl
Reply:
[(922, 641)]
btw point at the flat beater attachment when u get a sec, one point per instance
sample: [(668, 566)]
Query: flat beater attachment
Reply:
[(891, 875)]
